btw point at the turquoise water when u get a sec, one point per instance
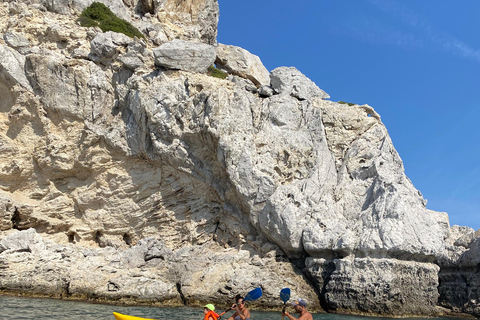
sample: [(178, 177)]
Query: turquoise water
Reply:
[(43, 309)]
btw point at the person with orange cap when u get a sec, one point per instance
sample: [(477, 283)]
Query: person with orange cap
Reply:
[(209, 311)]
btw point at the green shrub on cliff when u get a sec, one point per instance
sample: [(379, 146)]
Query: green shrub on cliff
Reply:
[(99, 15), (349, 103), (217, 73)]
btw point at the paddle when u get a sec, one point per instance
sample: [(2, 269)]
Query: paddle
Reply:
[(251, 296), (254, 294), (285, 296)]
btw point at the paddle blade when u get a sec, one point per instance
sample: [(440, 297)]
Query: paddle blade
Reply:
[(254, 294), (285, 294)]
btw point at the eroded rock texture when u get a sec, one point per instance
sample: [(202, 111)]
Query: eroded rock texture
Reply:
[(127, 177)]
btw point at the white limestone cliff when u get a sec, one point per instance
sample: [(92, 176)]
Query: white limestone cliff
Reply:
[(127, 173)]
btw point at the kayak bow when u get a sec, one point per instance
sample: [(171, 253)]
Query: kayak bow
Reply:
[(119, 316)]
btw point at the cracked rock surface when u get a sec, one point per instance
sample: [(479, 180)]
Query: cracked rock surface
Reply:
[(129, 178)]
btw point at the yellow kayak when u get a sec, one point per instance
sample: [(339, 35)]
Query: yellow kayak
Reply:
[(119, 316)]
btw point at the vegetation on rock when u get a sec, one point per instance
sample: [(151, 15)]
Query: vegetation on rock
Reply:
[(99, 15), (217, 73), (349, 103)]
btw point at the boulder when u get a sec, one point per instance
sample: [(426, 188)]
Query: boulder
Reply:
[(184, 55), (23, 241), (292, 82), (242, 63), (12, 68), (106, 45), (15, 40), (379, 286), (131, 60), (265, 91), (459, 275)]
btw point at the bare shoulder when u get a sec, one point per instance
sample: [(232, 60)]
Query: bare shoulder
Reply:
[(306, 316)]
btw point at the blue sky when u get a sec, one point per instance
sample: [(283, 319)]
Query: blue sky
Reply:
[(416, 62)]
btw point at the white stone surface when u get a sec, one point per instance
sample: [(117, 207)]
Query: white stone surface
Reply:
[(242, 63), (288, 80), (128, 180), (12, 68), (185, 55)]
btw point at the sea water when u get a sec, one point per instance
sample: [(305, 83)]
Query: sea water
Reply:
[(52, 309)]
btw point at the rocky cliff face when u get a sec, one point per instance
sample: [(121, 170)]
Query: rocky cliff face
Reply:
[(127, 173)]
